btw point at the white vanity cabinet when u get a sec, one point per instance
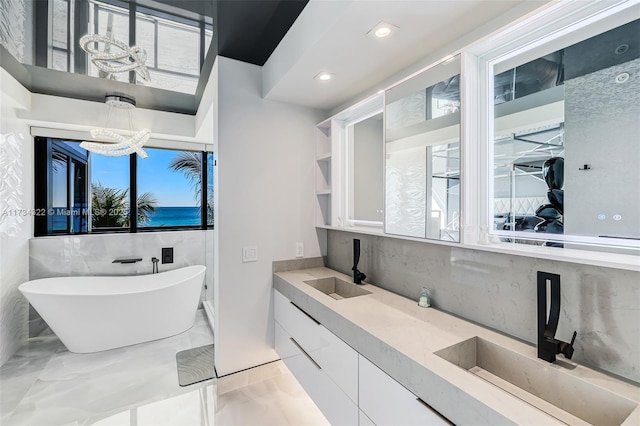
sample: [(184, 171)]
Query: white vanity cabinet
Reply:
[(324, 365), (348, 388), (384, 401)]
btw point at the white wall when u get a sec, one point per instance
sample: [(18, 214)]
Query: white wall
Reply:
[(66, 113), (83, 255), (16, 151), (264, 190)]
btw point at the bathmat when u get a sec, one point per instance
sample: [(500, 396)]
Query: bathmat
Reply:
[(195, 365)]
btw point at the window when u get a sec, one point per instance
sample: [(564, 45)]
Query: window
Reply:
[(169, 189), (177, 65), (60, 35), (67, 210), (112, 21), (562, 162), (209, 204), (80, 192), (110, 190), (176, 46)]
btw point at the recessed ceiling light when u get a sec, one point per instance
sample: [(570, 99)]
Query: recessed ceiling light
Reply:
[(622, 78), (623, 48), (382, 30), (324, 76)]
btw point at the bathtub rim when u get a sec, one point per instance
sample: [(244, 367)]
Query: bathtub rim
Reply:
[(35, 287)]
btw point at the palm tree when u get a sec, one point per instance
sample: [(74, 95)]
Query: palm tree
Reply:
[(190, 164), (104, 201), (146, 207), (110, 207)]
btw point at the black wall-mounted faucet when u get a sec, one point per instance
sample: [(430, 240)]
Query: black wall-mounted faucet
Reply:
[(357, 275), (548, 345)]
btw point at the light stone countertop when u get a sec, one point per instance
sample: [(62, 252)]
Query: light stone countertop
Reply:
[(400, 337)]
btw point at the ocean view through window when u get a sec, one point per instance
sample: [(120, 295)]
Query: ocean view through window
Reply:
[(173, 181), (78, 192)]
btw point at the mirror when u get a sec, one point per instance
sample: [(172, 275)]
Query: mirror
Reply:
[(365, 143), (422, 154), (565, 149)]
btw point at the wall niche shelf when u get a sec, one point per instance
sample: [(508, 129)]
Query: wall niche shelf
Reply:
[(324, 157), (324, 172), (331, 173)]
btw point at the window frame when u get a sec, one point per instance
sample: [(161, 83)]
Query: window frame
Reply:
[(77, 24), (43, 223), (553, 19), (518, 43)]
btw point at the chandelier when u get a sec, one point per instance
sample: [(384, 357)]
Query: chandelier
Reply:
[(111, 143), (123, 58)]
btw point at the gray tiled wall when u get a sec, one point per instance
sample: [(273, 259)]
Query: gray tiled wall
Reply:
[(93, 255), (499, 291)]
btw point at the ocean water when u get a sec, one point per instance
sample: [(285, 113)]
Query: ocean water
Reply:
[(175, 216), (163, 216)]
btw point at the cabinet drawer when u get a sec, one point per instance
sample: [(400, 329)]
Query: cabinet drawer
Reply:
[(298, 324), (338, 360), (387, 402), (330, 399)]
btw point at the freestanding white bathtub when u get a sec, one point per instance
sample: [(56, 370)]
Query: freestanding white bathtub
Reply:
[(91, 314)]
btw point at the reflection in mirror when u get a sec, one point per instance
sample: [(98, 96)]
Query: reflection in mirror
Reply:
[(365, 140), (47, 34), (422, 150), (565, 149)]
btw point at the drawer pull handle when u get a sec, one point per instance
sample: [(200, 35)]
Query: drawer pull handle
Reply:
[(305, 352), (434, 411), (302, 310)]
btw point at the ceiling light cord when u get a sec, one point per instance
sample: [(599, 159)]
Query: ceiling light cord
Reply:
[(111, 143)]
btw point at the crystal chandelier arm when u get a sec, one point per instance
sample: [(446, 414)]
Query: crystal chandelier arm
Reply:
[(123, 147), (127, 59)]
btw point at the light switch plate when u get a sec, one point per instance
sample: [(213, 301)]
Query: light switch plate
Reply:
[(299, 250), (249, 254)]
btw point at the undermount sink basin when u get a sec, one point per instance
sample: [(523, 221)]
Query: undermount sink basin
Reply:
[(337, 288), (549, 389)]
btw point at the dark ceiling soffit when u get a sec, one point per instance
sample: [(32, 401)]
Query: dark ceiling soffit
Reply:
[(250, 30), (75, 86)]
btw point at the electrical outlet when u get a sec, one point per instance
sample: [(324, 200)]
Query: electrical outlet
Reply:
[(249, 254), (299, 250)]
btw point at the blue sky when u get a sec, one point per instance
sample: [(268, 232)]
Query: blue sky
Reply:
[(170, 188)]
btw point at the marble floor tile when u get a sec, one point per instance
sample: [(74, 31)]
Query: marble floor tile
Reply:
[(45, 384), (280, 401), (248, 377), (19, 374), (77, 387)]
